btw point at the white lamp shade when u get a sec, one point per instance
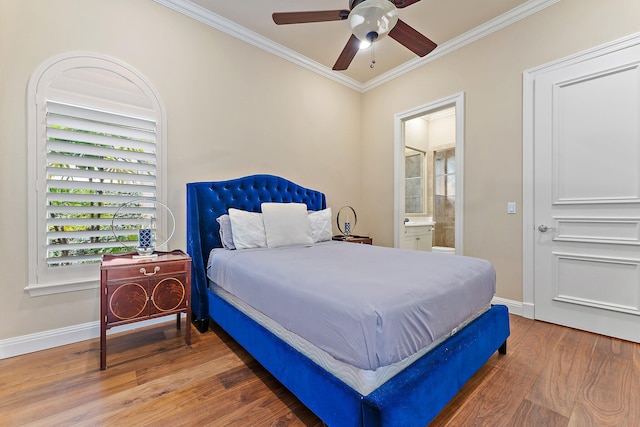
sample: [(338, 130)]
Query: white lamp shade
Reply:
[(373, 16)]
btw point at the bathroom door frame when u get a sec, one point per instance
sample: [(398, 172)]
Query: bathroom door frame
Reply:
[(457, 101)]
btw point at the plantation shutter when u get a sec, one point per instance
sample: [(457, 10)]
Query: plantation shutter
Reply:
[(95, 162), (96, 149)]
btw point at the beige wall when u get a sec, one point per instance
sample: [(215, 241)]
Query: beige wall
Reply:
[(442, 133), (232, 110), (416, 134), (489, 72)]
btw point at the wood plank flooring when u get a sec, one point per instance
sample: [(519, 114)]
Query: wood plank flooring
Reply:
[(551, 376)]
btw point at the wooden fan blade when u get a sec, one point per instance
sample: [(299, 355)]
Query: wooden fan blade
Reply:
[(411, 39), (281, 18), (404, 3), (347, 54)]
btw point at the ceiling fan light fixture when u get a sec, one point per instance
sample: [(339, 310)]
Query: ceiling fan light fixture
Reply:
[(369, 20), (373, 19)]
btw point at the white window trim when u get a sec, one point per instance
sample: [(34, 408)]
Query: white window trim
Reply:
[(38, 84)]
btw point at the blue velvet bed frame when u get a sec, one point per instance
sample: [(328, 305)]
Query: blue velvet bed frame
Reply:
[(411, 398)]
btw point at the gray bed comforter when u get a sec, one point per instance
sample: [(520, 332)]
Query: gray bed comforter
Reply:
[(368, 306)]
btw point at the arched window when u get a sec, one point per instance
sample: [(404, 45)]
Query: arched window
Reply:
[(96, 141)]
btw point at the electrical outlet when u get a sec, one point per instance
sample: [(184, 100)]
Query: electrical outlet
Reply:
[(511, 207)]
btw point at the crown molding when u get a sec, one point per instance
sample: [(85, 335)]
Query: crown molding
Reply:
[(498, 23), (225, 25), (440, 114), (205, 16)]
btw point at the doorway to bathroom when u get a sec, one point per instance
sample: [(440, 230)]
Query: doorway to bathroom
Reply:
[(428, 174)]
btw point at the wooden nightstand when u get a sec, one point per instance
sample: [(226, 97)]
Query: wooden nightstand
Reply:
[(134, 289), (365, 240)]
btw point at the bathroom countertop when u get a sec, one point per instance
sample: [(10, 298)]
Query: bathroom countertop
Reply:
[(419, 223)]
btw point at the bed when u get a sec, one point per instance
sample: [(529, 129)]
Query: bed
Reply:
[(412, 394)]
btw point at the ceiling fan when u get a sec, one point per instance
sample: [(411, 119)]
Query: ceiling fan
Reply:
[(370, 20)]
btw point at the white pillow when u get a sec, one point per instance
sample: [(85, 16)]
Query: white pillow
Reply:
[(286, 224), (320, 222), (247, 229)]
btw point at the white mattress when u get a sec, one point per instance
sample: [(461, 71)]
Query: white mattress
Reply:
[(367, 306), (362, 380)]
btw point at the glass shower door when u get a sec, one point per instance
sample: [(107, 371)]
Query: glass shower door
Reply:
[(444, 213)]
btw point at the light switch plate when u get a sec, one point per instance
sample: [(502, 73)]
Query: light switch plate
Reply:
[(511, 207)]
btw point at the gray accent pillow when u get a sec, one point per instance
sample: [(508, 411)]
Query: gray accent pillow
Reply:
[(226, 237)]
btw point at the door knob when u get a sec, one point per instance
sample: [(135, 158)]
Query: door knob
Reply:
[(543, 228)]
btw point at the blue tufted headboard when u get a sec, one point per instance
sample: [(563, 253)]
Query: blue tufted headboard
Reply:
[(206, 201)]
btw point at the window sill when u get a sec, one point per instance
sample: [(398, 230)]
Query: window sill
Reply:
[(38, 290)]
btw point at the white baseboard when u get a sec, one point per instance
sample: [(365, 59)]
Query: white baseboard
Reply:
[(515, 307), (57, 337), (527, 310)]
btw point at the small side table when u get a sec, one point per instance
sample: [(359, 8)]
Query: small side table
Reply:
[(364, 240), (134, 289)]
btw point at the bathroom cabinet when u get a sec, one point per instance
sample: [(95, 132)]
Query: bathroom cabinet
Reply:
[(417, 237)]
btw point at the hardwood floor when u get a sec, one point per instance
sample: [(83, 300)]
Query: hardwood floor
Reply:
[(551, 376)]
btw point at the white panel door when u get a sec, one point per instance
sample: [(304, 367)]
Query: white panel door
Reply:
[(587, 194)]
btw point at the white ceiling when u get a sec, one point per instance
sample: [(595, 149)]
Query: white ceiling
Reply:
[(449, 23)]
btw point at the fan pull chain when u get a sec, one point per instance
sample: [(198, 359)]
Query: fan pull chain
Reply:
[(373, 55)]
